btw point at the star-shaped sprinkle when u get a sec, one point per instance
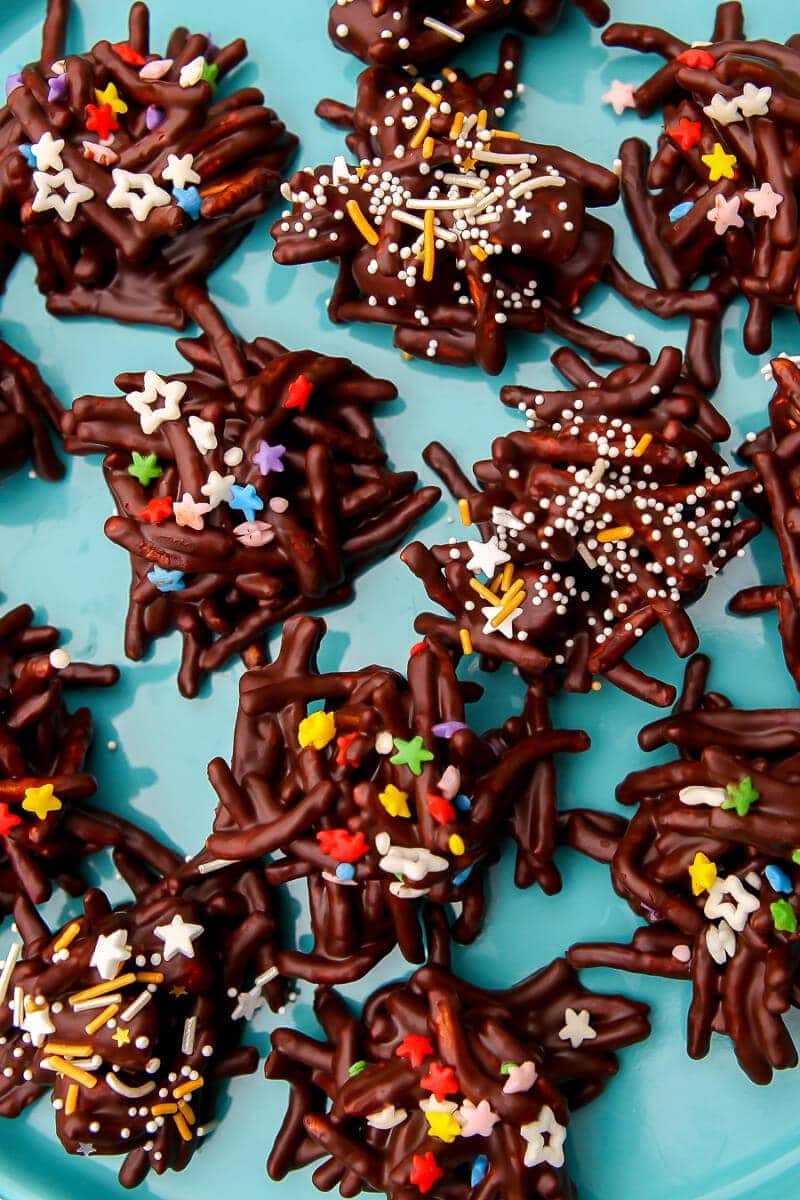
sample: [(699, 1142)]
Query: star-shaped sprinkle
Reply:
[(411, 754), (725, 214), (387, 1117), (156, 69), (703, 873), (170, 391), (521, 215), (721, 942), (477, 1120), (724, 112), (144, 467), (156, 510), (545, 1138), (248, 1004), (26, 150), (38, 1025), (57, 88), (754, 101), (440, 808), (8, 820), (395, 801), (720, 165), (442, 1125), (190, 200), (126, 52), (425, 1172), (122, 1036), (416, 1048), (86, 1149), (166, 581), (269, 458), (104, 156), (100, 119), (203, 434), (138, 193), (217, 488), (620, 96), (521, 1077), (298, 393), (486, 557), (192, 72), (178, 937), (111, 950), (245, 500), (180, 171), (506, 626), (177, 991), (441, 1080), (190, 512), (47, 152), (741, 796), (577, 1028), (734, 911), (41, 801), (694, 56), (210, 73), (765, 201), (783, 916), (111, 97), (342, 845), (686, 133), (317, 729), (48, 195), (254, 533)]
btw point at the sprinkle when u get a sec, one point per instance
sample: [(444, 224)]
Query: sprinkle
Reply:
[(642, 445), (150, 976), (506, 577), (395, 801), (69, 1071), (102, 989), (411, 754), (41, 801), (136, 1006), (777, 879), (68, 1049), (361, 223), (189, 1032), (187, 1112), (164, 1110), (420, 134), (465, 638), (680, 210), (720, 165), (433, 98), (456, 127), (99, 1002), (100, 1020), (12, 958), (443, 29), (186, 1089), (428, 147), (71, 1102), (479, 253), (703, 873), (741, 796), (784, 916), (182, 1126), (429, 249), (618, 534), (356, 1068), (456, 845), (484, 592), (317, 730), (464, 512)]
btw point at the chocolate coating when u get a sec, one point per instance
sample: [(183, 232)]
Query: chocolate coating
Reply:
[(710, 860), (396, 32), (500, 224), (376, 839), (607, 517), (287, 436), (357, 1095), (29, 413), (80, 136)]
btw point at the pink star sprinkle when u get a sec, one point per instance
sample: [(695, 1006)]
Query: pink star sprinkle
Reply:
[(620, 96), (521, 1078), (765, 201), (188, 512), (254, 533), (725, 214), (477, 1120)]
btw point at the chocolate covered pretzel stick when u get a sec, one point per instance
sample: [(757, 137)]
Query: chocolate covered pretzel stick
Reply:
[(710, 859), (29, 412), (446, 1089), (124, 176), (249, 488), (606, 518)]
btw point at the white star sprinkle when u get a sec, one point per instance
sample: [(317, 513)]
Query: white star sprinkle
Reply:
[(218, 488), (47, 152), (486, 557), (178, 937), (179, 171), (765, 201), (138, 193), (202, 434), (506, 626), (386, 1117), (86, 1149), (539, 1150), (48, 196), (724, 112), (172, 392), (736, 913), (521, 215), (248, 1004), (192, 73), (620, 96), (577, 1028), (721, 942), (37, 1023), (754, 101), (111, 950), (725, 214)]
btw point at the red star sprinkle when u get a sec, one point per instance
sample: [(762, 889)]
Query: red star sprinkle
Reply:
[(440, 1080), (342, 845), (101, 119), (417, 648), (126, 52), (425, 1171), (696, 58), (440, 809), (686, 133), (415, 1048), (298, 393), (8, 820), (343, 744), (156, 510)]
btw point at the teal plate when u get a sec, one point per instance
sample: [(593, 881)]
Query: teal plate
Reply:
[(666, 1128)]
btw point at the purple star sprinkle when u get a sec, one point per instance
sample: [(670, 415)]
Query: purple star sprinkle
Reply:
[(56, 88), (154, 116), (446, 729), (13, 81), (269, 458)]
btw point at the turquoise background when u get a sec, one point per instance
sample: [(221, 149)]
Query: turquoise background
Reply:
[(667, 1128)]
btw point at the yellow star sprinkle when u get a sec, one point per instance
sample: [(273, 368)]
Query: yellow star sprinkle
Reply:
[(703, 873), (122, 1036), (720, 165), (177, 991), (468, 164), (41, 801), (395, 801), (111, 96), (317, 730), (442, 1125)]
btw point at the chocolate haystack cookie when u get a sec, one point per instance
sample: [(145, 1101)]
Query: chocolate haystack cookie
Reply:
[(775, 455), (250, 488), (123, 176), (718, 202), (383, 799), (29, 413), (45, 825), (455, 232), (711, 860), (397, 33), (123, 1014), (606, 518), (446, 1089)]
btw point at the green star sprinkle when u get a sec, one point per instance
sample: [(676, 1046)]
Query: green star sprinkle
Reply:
[(210, 73), (144, 467), (784, 916), (507, 1067), (411, 754), (741, 796), (356, 1068), (796, 857)]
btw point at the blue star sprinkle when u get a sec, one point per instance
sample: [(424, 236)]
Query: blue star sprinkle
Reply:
[(189, 199), (245, 500), (166, 581)]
